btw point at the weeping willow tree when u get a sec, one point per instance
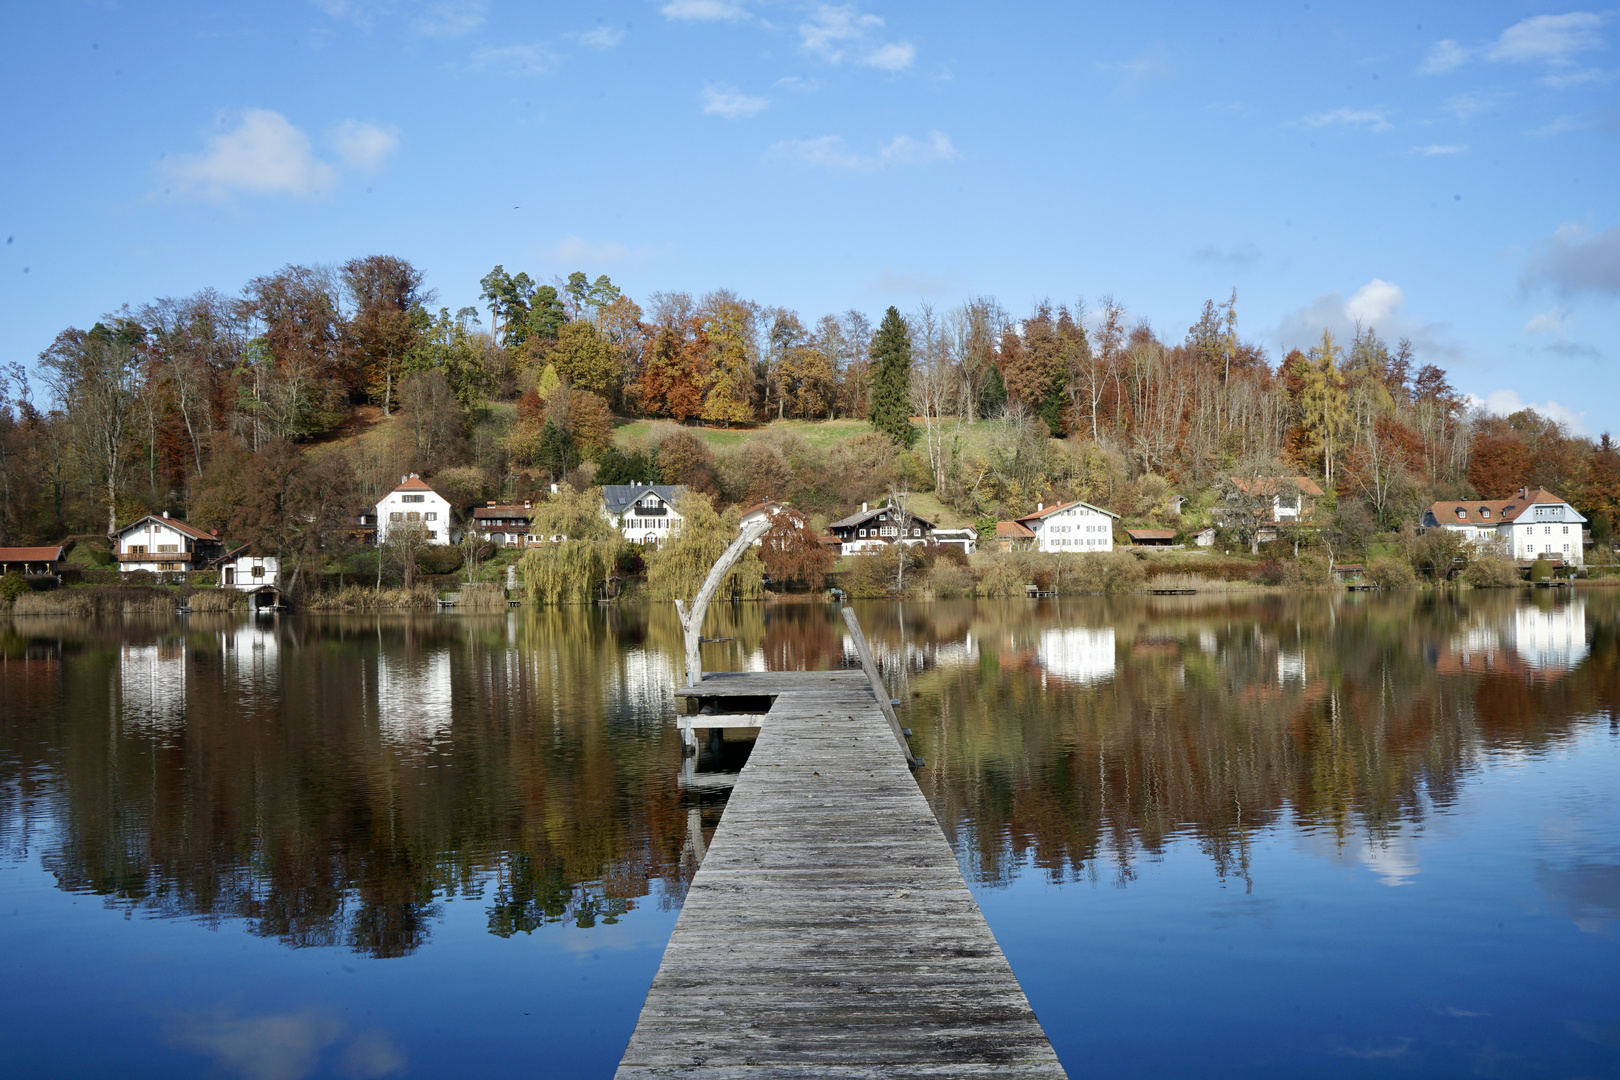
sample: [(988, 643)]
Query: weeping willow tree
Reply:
[(676, 570), (569, 570)]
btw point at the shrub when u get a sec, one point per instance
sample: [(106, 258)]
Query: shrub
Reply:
[(1388, 572), (1269, 572), (1100, 572), (438, 559), (1307, 572), (1541, 570), (12, 586), (949, 580), (1004, 576), (1491, 572)]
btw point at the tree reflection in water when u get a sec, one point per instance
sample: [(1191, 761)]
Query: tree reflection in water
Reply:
[(332, 781)]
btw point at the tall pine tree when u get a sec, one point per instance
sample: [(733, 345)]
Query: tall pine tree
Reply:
[(891, 380)]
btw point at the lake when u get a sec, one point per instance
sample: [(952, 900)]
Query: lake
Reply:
[(1351, 835)]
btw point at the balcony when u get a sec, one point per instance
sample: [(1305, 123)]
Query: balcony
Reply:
[(154, 556)]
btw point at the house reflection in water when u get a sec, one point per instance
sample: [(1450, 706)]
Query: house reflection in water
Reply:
[(414, 699), (152, 686), (1077, 654), (1546, 641)]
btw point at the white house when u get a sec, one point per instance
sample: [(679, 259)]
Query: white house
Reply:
[(239, 570), (643, 513), (414, 502), (1071, 527), (165, 545), (966, 538), (1291, 496), (874, 528), (1534, 524)]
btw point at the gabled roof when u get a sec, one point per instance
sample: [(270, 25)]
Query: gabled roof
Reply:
[(1273, 485), (864, 516), (1494, 511), (1151, 534), (1041, 515), (766, 506), (1013, 530), (620, 497), (414, 483), (963, 530), (31, 554), (174, 523)]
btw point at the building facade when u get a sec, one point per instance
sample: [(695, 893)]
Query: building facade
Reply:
[(874, 528), (1534, 524), (161, 544), (1074, 527), (505, 525), (414, 502), (248, 573), (643, 513)]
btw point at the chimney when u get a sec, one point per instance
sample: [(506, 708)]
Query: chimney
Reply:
[(1524, 493), (1039, 507), (554, 489), (491, 502), (527, 505), (863, 508), (165, 513), (403, 479)]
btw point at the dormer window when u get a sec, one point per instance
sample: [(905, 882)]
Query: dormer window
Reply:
[(1462, 513), (1485, 512)]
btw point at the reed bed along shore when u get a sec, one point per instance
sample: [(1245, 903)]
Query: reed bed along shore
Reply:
[(90, 601)]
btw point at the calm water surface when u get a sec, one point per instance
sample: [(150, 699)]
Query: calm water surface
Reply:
[(1347, 836)]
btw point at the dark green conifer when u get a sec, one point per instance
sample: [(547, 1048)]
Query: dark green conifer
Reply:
[(891, 380)]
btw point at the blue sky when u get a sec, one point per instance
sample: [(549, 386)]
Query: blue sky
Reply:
[(1447, 172)]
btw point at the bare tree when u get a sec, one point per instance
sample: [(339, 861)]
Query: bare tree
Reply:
[(95, 377)]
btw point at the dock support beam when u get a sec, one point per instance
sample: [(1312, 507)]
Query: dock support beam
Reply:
[(869, 665)]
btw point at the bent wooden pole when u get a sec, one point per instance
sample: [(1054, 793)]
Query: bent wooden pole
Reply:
[(869, 665), (692, 618)]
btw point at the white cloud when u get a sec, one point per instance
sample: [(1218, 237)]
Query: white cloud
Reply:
[(731, 103), (904, 150), (576, 251), (895, 56), (603, 37), (831, 152), (1552, 40), (430, 18), (523, 60), (1139, 69), (363, 146), (796, 82), (1378, 305), (1508, 402), (837, 33), (1557, 126), (1445, 55), (1555, 322), (1440, 150), (264, 154), (703, 11), (1575, 260), (1369, 119), (1467, 106)]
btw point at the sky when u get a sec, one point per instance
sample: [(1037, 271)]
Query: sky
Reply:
[(1440, 172)]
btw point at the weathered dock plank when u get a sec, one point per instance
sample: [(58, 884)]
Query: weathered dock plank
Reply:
[(828, 932)]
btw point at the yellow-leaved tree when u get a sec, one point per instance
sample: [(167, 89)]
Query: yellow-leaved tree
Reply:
[(676, 570), (568, 571)]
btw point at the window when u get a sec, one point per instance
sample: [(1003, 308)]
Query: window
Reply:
[(171, 566), (432, 535), (1566, 547), (889, 530), (258, 571), (1485, 512), (1546, 530), (1566, 533), (396, 516), (863, 532), (168, 547), (431, 515), (413, 516), (1462, 515), (918, 532), (137, 549), (412, 498)]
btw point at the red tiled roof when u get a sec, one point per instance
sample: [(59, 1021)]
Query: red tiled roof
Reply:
[(1050, 510), (31, 554), (757, 507), (1270, 485), (415, 483), (1490, 511), (485, 512), (1012, 530)]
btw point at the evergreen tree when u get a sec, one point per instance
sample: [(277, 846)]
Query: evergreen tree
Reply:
[(891, 380), (993, 395)]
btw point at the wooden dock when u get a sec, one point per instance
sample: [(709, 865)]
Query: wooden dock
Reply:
[(828, 931)]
